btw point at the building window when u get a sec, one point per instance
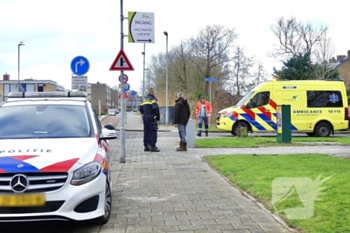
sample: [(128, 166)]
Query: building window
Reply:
[(40, 87)]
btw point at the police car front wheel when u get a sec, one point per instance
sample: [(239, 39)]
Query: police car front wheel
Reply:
[(108, 206)]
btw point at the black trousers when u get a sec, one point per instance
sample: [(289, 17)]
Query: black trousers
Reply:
[(149, 131)]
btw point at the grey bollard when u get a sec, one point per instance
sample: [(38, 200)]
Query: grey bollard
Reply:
[(191, 133)]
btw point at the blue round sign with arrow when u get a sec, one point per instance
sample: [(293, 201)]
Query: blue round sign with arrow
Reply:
[(79, 65), (126, 86), (133, 93)]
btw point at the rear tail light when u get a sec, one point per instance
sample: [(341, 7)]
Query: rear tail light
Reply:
[(346, 117)]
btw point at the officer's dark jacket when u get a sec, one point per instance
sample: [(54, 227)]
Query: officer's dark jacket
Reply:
[(182, 111), (149, 107)]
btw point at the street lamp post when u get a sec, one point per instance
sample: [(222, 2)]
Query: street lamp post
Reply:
[(143, 77), (19, 85), (166, 81)]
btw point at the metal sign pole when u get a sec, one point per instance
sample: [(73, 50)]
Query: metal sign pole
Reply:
[(210, 92), (143, 78), (122, 129)]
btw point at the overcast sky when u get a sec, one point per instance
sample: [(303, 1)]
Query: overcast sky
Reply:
[(54, 32)]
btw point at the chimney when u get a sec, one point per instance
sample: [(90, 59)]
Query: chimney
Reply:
[(6, 77), (332, 60), (340, 57)]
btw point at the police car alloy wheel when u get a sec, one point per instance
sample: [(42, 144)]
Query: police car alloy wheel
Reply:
[(108, 206)]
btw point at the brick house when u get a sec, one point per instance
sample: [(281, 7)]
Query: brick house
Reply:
[(27, 85), (342, 64)]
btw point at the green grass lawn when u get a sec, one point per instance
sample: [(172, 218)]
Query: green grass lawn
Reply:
[(236, 142), (261, 175)]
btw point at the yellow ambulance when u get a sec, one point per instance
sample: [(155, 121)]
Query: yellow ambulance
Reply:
[(318, 108)]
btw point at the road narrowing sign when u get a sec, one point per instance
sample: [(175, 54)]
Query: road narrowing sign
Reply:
[(121, 63)]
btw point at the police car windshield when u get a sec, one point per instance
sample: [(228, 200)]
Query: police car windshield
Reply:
[(43, 121), (245, 98)]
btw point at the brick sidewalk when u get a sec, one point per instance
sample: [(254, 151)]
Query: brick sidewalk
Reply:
[(174, 191)]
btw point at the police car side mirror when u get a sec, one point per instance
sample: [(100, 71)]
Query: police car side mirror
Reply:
[(108, 126), (108, 134)]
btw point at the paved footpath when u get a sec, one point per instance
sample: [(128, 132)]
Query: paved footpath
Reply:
[(174, 191)]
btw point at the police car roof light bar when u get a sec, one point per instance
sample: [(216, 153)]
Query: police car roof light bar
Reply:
[(47, 94)]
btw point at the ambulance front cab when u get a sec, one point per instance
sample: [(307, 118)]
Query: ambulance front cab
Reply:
[(255, 104), (318, 108)]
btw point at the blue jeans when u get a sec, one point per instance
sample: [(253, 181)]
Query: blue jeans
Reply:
[(182, 132), (201, 120)]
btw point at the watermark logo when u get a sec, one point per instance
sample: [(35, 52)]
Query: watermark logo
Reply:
[(295, 196)]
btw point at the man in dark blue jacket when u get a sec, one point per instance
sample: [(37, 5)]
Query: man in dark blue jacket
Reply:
[(150, 115)]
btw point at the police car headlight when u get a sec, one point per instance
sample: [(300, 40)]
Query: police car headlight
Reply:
[(227, 114), (86, 173)]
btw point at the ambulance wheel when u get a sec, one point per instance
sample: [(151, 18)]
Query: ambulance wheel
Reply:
[(235, 129), (323, 129)]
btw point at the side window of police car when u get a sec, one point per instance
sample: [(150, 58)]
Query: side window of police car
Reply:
[(98, 123)]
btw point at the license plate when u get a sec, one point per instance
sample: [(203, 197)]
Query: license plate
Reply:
[(22, 200)]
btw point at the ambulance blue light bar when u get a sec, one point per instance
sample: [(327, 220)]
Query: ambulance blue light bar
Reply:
[(47, 94)]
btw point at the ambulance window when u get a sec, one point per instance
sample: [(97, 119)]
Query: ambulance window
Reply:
[(260, 99), (326, 99), (245, 98)]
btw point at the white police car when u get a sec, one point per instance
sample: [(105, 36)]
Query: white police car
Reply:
[(54, 162)]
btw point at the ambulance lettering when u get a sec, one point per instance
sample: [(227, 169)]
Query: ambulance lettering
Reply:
[(307, 112)]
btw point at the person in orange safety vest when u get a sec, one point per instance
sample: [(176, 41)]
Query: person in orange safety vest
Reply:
[(203, 113)]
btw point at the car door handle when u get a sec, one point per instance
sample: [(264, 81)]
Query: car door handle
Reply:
[(266, 110)]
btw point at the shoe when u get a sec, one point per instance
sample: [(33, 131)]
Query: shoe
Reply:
[(199, 134), (154, 149), (206, 134), (146, 148), (177, 149), (182, 147)]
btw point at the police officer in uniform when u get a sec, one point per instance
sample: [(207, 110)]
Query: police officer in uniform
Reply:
[(150, 115)]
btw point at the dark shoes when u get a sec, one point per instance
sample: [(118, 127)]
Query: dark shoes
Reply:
[(199, 134), (154, 149)]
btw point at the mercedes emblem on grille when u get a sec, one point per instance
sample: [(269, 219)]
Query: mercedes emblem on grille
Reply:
[(19, 183)]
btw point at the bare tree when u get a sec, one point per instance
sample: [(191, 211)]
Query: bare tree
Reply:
[(295, 38), (240, 80), (180, 66), (259, 76), (211, 49), (324, 50)]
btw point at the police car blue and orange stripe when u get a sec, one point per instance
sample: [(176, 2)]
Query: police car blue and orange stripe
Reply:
[(15, 164)]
